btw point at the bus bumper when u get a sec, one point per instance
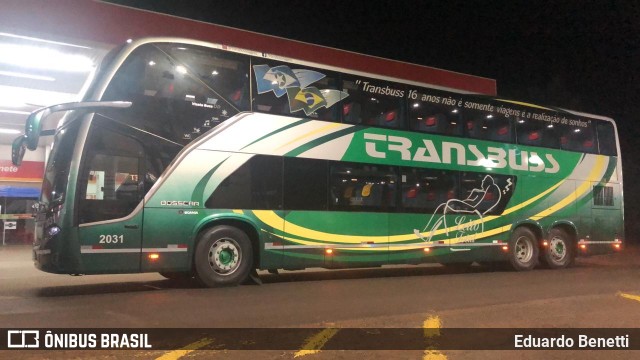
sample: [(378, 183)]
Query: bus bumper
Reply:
[(588, 248)]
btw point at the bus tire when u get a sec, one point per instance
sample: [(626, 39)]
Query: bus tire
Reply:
[(561, 251), (523, 249), (223, 256)]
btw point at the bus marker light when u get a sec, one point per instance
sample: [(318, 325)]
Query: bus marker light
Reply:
[(427, 249), (328, 251), (545, 243), (154, 256), (583, 246), (505, 248), (616, 246)]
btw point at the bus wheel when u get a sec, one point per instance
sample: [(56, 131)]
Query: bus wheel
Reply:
[(523, 249), (223, 256), (560, 252)]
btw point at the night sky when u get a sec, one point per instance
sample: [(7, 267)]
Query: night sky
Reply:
[(581, 55)]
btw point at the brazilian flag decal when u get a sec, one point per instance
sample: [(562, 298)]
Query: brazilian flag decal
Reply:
[(308, 99)]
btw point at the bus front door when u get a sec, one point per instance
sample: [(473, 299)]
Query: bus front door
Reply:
[(109, 202)]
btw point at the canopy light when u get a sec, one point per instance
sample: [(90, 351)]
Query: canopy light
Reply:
[(9, 131), (15, 97), (26, 76), (16, 112), (15, 36), (42, 58)]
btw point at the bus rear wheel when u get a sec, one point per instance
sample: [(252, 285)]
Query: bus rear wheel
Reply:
[(560, 252), (223, 256), (523, 249)]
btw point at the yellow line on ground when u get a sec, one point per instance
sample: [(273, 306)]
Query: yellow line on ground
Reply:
[(629, 296), (176, 354), (314, 343), (431, 328)]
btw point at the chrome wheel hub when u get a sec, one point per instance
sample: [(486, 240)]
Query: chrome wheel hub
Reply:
[(225, 256), (557, 249), (523, 250)]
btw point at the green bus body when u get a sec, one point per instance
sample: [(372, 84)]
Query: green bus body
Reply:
[(323, 191)]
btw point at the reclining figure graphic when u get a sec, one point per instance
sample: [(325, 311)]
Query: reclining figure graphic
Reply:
[(467, 206)]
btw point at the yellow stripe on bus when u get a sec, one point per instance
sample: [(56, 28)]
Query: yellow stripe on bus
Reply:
[(311, 133), (525, 104), (595, 174)]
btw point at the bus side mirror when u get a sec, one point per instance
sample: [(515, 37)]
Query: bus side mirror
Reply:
[(33, 125), (18, 149)]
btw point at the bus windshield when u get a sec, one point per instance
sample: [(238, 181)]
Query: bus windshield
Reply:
[(179, 91), (56, 174)]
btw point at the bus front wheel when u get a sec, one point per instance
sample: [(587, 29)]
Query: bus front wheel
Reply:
[(523, 249), (560, 250), (223, 256)]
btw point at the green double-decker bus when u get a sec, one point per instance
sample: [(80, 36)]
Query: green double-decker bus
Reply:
[(192, 159)]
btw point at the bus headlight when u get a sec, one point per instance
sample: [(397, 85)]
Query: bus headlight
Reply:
[(52, 230)]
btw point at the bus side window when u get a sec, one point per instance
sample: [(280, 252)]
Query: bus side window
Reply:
[(529, 132), (256, 184), (373, 102), (576, 138), (424, 190), (606, 138), (483, 194), (552, 135), (361, 187), (538, 133), (425, 116), (305, 184), (351, 113), (488, 126)]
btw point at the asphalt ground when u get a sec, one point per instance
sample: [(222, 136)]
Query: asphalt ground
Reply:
[(397, 312)]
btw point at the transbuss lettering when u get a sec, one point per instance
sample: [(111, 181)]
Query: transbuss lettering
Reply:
[(377, 146)]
